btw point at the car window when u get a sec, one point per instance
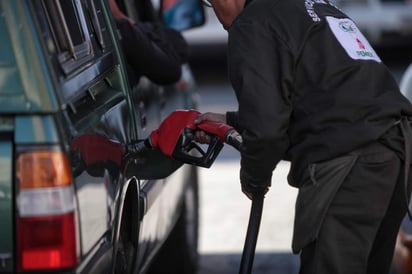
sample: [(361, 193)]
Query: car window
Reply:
[(77, 39), (69, 32), (83, 62)]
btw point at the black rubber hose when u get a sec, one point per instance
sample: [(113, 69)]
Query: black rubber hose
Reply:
[(246, 264)]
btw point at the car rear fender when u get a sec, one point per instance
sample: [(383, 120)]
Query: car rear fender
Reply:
[(128, 196)]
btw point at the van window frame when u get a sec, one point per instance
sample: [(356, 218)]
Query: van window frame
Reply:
[(69, 32)]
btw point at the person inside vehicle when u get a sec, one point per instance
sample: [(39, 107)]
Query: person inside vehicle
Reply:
[(150, 49), (312, 90)]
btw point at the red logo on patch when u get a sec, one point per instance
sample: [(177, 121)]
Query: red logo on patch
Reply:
[(360, 44)]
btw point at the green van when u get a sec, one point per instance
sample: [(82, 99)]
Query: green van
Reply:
[(75, 197)]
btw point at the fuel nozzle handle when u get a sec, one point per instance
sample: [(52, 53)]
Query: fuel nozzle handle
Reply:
[(176, 138), (226, 133), (234, 139)]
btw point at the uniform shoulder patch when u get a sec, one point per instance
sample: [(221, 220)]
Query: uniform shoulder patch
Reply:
[(352, 39)]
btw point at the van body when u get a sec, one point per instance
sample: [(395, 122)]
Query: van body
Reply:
[(75, 196)]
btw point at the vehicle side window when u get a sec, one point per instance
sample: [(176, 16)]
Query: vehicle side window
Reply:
[(69, 32), (78, 43)]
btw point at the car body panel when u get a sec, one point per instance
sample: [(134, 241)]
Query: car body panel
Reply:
[(22, 86), (35, 129)]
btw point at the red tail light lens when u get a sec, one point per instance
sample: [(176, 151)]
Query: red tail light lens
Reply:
[(46, 225), (47, 242)]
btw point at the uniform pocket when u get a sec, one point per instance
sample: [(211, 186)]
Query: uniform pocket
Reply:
[(315, 196)]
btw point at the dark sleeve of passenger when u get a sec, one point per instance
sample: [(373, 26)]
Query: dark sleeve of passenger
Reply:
[(170, 40), (260, 71), (149, 54)]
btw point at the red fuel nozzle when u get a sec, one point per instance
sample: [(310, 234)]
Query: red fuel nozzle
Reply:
[(176, 138), (166, 137)]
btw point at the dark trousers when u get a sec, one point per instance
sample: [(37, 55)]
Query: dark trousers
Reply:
[(358, 231)]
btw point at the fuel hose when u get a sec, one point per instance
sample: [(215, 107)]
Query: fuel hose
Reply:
[(234, 139), (246, 263)]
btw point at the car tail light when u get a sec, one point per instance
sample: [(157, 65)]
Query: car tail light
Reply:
[(46, 211)]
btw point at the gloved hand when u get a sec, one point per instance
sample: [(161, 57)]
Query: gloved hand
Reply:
[(249, 189)]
